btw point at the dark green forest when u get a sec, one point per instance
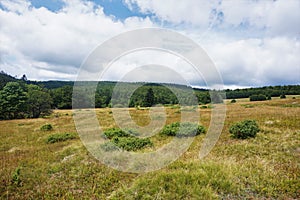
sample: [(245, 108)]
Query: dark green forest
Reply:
[(22, 98)]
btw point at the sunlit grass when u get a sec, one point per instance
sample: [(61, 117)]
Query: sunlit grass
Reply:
[(264, 167)]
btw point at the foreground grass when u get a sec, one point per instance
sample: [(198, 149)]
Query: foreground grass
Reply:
[(265, 167)]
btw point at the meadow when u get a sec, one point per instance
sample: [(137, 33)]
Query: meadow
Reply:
[(264, 167)]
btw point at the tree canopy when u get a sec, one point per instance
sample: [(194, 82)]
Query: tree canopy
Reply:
[(21, 98), (23, 101)]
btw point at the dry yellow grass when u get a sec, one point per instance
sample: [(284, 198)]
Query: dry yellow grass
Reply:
[(265, 167)]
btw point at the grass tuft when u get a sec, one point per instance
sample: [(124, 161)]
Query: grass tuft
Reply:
[(46, 127), (60, 137)]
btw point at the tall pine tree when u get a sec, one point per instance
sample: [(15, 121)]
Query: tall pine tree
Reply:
[(149, 98)]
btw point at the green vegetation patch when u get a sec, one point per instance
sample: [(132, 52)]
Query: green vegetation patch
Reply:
[(116, 132), (292, 105), (131, 143), (124, 139), (181, 181), (245, 129), (184, 129), (60, 137), (15, 178), (46, 127)]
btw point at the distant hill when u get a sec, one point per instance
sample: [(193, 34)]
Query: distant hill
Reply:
[(5, 78), (51, 84), (271, 91)]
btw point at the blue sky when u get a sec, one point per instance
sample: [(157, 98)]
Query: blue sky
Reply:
[(252, 43), (53, 5), (116, 8)]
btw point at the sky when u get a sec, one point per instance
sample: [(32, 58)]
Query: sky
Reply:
[(252, 43)]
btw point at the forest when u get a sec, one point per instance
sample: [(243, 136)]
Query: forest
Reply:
[(22, 98)]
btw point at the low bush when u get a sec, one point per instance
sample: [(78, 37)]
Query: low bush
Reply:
[(233, 101), (184, 129), (60, 137), (125, 139), (282, 96), (245, 129), (115, 132), (46, 127), (131, 143)]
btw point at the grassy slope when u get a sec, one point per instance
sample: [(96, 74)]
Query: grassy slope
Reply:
[(264, 167)]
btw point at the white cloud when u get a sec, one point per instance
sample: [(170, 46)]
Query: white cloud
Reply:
[(151, 66), (284, 18), (256, 62), (188, 11), (276, 18), (251, 42), (17, 6), (279, 17), (63, 38)]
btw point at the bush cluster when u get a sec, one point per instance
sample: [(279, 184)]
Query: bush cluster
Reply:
[(259, 97), (60, 137), (245, 129), (124, 139), (46, 127), (115, 132), (184, 129), (282, 96), (131, 143)]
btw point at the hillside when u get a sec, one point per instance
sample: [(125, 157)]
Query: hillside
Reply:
[(105, 94), (265, 167), (273, 91), (5, 78)]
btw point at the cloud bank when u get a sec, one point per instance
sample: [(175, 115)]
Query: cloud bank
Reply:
[(252, 43)]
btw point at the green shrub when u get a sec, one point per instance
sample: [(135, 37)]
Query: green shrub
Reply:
[(245, 129), (125, 139), (131, 143), (46, 127), (203, 107), (171, 129), (233, 101), (15, 179), (182, 129), (115, 132), (60, 137), (282, 96)]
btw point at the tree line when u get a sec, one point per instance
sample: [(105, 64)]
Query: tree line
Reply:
[(21, 98), (268, 91)]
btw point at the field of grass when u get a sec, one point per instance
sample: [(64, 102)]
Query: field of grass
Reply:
[(265, 167)]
